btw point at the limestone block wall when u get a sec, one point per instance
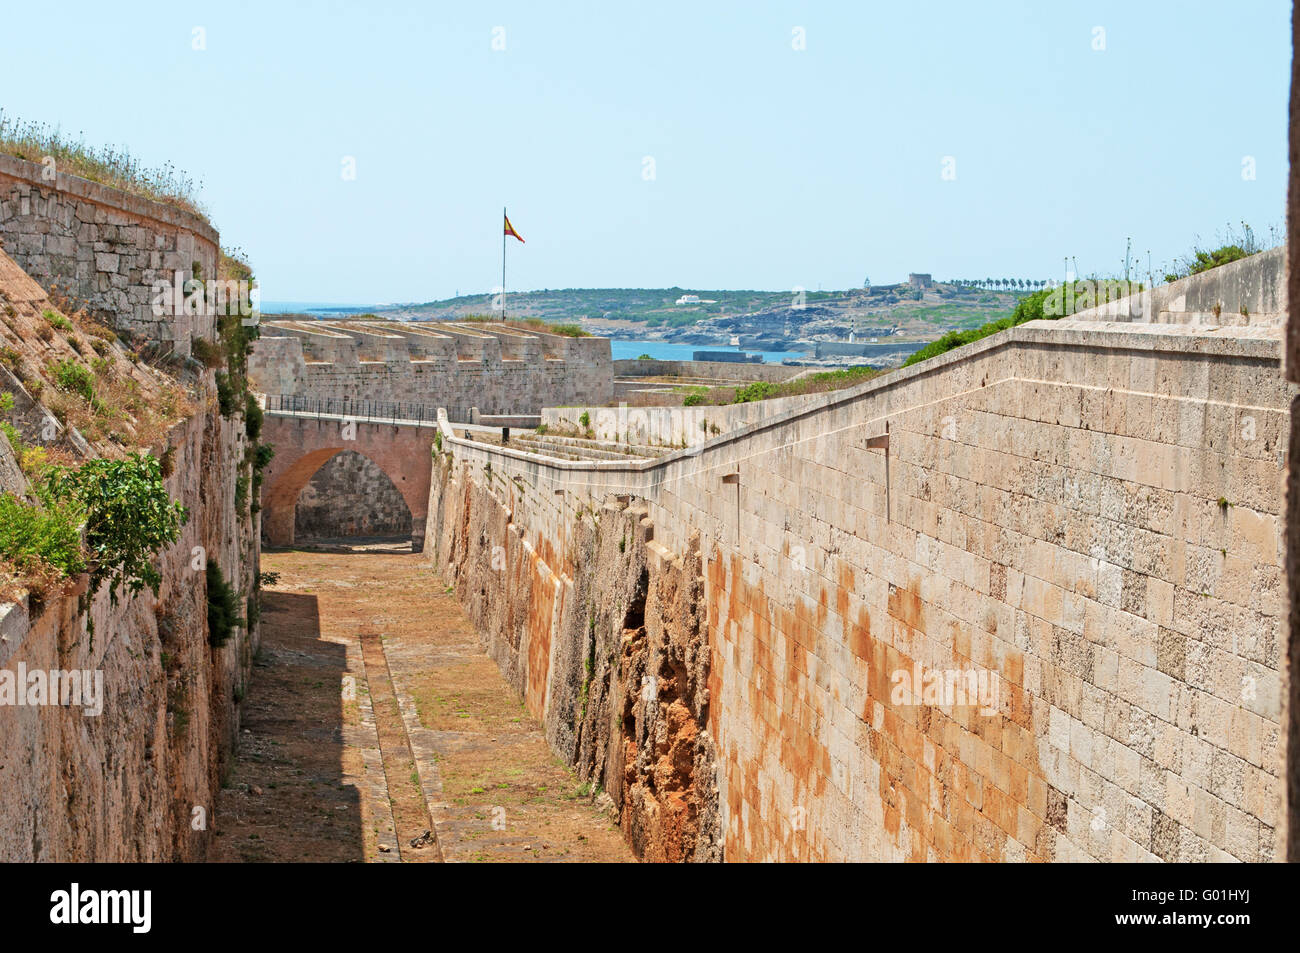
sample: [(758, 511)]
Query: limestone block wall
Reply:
[(104, 248), (669, 426), (456, 366), (713, 370), (1081, 517)]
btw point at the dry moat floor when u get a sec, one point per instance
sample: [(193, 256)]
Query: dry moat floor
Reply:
[(373, 716)]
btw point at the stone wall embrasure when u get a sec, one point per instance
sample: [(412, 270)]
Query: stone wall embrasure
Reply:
[(1087, 512), (456, 366), (103, 248)]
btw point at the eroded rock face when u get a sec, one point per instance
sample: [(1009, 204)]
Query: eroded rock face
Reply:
[(606, 643), (138, 781)]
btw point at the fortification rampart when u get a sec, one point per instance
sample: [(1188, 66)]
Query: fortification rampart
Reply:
[(104, 249), (499, 370), (1022, 601)]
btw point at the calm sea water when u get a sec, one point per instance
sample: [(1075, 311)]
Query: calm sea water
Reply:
[(663, 351), (319, 308)]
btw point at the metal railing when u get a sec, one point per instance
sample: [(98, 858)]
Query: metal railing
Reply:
[(384, 410)]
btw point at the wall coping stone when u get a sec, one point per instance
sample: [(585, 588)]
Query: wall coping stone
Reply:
[(1258, 342)]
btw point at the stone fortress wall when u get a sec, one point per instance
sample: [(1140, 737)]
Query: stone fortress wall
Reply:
[(1083, 516), (139, 781), (104, 248), (459, 366)]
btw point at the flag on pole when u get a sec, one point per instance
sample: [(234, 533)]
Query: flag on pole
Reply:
[(510, 229)]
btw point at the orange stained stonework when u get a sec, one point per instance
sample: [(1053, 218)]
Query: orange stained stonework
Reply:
[(954, 784)]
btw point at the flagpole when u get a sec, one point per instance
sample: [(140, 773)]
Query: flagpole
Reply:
[(503, 262)]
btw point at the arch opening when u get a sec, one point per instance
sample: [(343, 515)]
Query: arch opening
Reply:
[(349, 496)]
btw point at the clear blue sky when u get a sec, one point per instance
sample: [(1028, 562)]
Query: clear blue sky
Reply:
[(774, 167)]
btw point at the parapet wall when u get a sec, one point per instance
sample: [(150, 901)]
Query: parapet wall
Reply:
[(104, 248), (1250, 291), (499, 370), (1078, 520), (669, 426)]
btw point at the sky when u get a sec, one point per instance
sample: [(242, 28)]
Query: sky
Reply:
[(703, 145)]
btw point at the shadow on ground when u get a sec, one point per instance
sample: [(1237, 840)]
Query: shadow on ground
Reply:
[(285, 796)]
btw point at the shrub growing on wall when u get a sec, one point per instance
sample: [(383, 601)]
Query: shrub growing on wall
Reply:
[(38, 538), (128, 517), (223, 607)]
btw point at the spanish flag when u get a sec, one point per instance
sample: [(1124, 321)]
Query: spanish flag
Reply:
[(510, 229)]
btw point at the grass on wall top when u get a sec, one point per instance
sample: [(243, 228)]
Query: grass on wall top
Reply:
[(107, 165)]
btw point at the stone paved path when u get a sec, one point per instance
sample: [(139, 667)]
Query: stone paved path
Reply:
[(376, 729)]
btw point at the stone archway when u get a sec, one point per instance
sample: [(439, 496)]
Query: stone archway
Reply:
[(351, 496), (305, 444)]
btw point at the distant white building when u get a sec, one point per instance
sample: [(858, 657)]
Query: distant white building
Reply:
[(689, 299)]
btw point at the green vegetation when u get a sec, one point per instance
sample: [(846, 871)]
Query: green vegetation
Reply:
[(128, 517), (259, 454), (223, 607), (1235, 246), (117, 168), (227, 399), (1202, 260), (654, 306), (528, 324), (41, 541), (758, 390), (767, 390), (57, 321), (75, 378), (1032, 307), (253, 418), (107, 516)]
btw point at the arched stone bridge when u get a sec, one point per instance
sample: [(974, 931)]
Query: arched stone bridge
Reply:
[(305, 442)]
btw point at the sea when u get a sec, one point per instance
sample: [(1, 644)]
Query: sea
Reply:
[(623, 349)]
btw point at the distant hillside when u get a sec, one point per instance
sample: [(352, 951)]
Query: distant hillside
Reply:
[(611, 310), (626, 304)]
